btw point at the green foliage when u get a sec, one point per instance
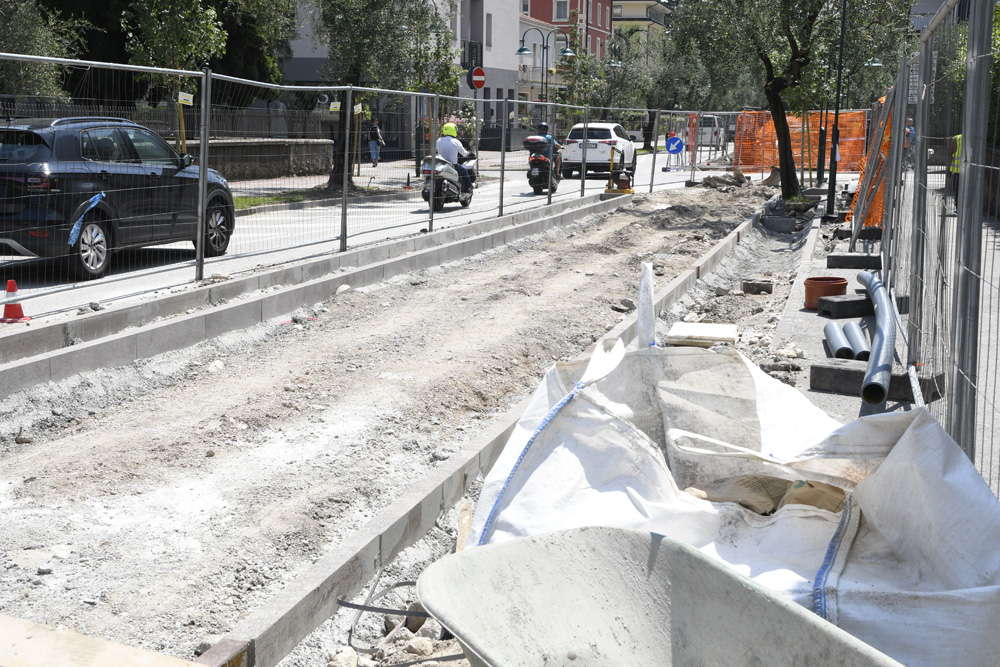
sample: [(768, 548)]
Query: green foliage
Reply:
[(27, 29), (623, 79), (175, 34), (395, 44), (581, 74), (258, 34), (993, 130), (706, 65)]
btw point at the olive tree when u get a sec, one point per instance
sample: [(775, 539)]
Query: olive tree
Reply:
[(27, 29), (391, 44), (788, 37)]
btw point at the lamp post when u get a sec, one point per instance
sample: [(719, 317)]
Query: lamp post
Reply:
[(835, 139), (565, 52)]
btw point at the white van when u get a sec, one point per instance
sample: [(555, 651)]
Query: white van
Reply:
[(711, 132)]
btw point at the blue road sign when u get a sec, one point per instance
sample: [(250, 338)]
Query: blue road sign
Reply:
[(675, 145)]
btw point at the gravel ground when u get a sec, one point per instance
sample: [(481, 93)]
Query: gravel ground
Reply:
[(158, 504)]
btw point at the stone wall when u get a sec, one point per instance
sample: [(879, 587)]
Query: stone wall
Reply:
[(248, 159)]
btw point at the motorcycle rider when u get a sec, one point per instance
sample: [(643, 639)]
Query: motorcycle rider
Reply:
[(543, 129), (450, 148)]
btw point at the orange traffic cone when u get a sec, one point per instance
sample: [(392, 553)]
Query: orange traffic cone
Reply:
[(12, 311)]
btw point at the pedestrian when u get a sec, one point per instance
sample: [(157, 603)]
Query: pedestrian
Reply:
[(375, 141)]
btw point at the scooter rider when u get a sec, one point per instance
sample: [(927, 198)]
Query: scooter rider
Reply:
[(450, 148), (543, 129)]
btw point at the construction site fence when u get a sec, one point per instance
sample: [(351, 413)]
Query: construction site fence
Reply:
[(306, 171), (932, 183)]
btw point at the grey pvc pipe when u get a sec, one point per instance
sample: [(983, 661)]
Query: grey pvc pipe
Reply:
[(837, 341), (859, 342), (875, 388)]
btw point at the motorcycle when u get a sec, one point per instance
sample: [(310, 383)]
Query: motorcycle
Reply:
[(445, 181), (539, 165)]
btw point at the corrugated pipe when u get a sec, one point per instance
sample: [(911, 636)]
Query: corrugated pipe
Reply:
[(839, 347), (875, 387), (859, 342)]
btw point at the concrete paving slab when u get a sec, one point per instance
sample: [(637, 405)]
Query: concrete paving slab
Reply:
[(841, 306), (848, 260)]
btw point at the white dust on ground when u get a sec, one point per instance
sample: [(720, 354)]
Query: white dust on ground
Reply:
[(160, 503)]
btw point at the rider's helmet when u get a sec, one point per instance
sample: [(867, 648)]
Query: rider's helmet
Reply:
[(543, 128), (449, 130)]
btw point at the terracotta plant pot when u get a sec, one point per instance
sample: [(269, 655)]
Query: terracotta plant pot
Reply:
[(823, 286)]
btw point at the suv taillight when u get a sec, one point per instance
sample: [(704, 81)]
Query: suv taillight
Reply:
[(610, 142), (37, 182)]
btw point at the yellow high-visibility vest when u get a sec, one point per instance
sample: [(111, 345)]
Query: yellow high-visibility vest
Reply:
[(956, 158)]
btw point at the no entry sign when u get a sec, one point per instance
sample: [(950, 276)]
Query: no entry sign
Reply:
[(477, 78)]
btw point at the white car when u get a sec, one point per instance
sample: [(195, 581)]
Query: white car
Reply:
[(602, 140)]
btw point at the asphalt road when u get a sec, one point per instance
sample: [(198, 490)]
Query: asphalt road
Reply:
[(273, 236)]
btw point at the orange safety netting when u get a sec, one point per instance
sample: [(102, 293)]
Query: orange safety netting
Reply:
[(875, 160), (756, 144)]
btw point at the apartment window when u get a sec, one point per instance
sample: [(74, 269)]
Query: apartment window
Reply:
[(598, 53), (590, 43), (617, 11), (607, 17), (489, 29), (598, 14), (525, 6), (562, 10), (534, 54), (590, 10)]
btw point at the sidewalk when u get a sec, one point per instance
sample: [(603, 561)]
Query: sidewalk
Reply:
[(805, 327)]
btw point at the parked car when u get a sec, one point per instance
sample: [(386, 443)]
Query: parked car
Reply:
[(83, 188), (602, 139)]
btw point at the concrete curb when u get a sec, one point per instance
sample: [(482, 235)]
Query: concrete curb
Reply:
[(271, 632), (54, 352)]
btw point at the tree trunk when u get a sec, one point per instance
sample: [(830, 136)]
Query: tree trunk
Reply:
[(790, 188), (341, 143)]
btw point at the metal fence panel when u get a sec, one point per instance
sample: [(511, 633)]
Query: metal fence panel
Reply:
[(940, 240)]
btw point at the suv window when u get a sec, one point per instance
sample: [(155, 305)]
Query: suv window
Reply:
[(620, 131), (23, 146), (150, 148), (592, 133), (104, 144), (709, 121)]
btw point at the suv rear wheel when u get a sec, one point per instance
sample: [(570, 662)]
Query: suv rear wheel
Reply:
[(91, 253)]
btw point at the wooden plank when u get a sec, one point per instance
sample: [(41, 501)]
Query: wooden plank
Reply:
[(464, 525), (28, 644)]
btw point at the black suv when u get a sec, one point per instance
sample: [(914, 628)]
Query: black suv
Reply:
[(80, 188)]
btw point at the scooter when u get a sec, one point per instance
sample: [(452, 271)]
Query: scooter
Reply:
[(445, 182), (539, 165)]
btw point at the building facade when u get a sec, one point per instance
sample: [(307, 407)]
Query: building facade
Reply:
[(593, 21), (649, 16)]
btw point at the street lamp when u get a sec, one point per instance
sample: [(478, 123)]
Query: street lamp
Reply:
[(565, 52)]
